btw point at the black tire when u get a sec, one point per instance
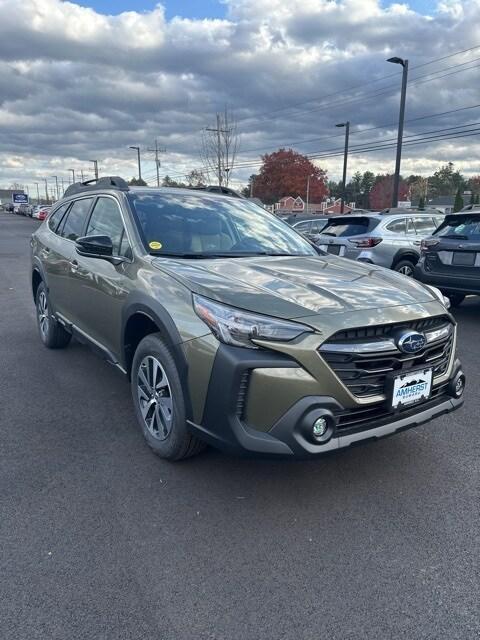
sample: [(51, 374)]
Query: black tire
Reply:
[(169, 439), (52, 334), (456, 299), (406, 267)]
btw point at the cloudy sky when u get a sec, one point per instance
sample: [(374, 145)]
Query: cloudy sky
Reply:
[(84, 81)]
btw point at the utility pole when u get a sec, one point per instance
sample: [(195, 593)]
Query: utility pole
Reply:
[(46, 190), (95, 168), (218, 131), (63, 188), (73, 175), (137, 149), (345, 160), (81, 174), (38, 193), (401, 119), (56, 183), (156, 151)]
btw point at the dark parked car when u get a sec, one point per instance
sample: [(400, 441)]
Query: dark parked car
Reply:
[(450, 259)]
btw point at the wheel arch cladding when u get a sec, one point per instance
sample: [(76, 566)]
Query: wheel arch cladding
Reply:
[(406, 254), (36, 280)]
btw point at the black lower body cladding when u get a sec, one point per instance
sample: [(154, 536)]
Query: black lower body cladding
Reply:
[(224, 424)]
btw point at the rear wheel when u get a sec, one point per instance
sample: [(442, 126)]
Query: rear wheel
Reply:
[(456, 299), (159, 401), (52, 334), (406, 267)]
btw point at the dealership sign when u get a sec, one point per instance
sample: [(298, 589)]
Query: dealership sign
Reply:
[(19, 198)]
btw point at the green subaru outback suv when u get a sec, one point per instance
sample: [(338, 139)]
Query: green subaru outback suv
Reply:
[(233, 329)]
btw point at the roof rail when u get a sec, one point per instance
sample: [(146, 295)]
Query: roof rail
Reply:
[(108, 182), (215, 188)]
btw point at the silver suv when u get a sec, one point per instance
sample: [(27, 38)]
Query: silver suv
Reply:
[(391, 241)]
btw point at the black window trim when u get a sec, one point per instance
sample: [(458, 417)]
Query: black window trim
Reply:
[(125, 227), (52, 213), (64, 217)]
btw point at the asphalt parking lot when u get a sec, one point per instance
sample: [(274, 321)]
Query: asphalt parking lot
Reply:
[(100, 539)]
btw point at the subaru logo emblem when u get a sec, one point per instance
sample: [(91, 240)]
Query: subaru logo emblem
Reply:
[(411, 342)]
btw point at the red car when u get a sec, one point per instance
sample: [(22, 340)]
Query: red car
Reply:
[(43, 213)]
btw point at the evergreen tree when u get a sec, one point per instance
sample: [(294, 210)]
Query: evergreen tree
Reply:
[(458, 204), (421, 203)]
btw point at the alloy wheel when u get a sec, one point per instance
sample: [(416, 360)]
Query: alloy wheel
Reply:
[(42, 310), (406, 270), (155, 397)]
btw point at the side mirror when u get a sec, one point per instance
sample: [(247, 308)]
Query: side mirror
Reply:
[(95, 247)]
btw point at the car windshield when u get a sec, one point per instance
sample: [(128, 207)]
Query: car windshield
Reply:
[(466, 227), (349, 227), (198, 225)]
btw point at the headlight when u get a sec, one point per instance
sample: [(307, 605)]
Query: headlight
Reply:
[(438, 294), (238, 328)]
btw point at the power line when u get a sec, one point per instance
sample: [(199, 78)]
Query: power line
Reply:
[(360, 131), (360, 85)]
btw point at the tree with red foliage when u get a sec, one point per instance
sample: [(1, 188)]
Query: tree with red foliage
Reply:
[(382, 192), (285, 173)]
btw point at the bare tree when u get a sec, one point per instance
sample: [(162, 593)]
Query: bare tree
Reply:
[(220, 147)]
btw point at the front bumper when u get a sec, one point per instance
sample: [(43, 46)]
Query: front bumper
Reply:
[(225, 424)]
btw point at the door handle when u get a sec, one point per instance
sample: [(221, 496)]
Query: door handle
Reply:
[(73, 265)]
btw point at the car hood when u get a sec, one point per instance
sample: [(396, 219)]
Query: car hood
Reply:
[(293, 287)]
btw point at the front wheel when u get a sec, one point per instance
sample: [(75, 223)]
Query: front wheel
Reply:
[(406, 267), (159, 401)]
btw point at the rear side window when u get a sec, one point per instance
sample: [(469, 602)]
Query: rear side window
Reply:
[(317, 226), (303, 227), (424, 225), (55, 218), (350, 227), (74, 221), (397, 226)]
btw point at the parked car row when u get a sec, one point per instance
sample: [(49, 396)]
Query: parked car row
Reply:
[(39, 212), (439, 250)]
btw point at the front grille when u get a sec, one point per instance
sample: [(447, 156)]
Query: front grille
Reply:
[(386, 330), (381, 413), (366, 374)]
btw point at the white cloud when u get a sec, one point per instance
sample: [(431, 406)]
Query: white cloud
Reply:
[(77, 84)]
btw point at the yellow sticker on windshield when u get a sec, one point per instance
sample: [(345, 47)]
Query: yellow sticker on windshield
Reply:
[(155, 245)]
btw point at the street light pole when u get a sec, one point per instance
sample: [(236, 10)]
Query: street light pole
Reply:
[(401, 119), (95, 168), (345, 160), (73, 175), (46, 190), (38, 193), (139, 163)]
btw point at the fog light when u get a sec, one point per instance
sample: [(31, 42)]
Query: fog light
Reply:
[(459, 387), (320, 427)]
